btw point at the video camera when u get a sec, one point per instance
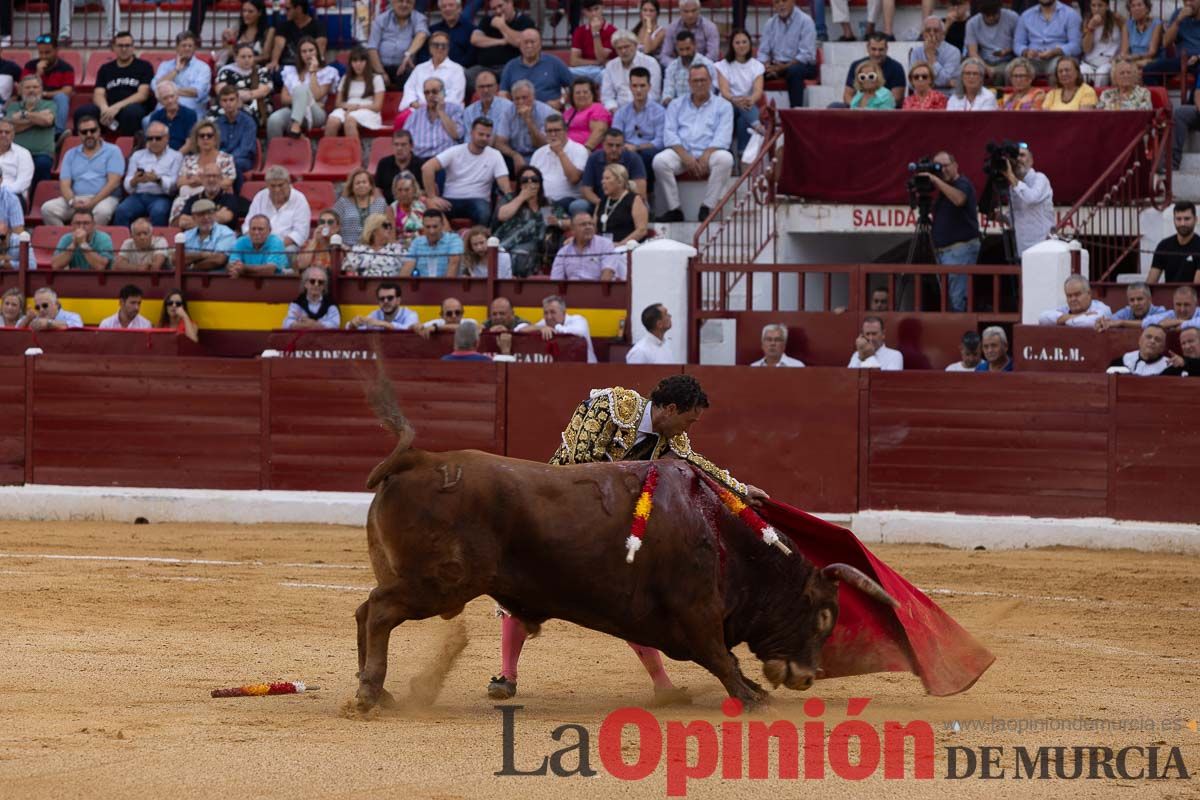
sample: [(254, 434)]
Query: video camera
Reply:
[(920, 185), (995, 166)]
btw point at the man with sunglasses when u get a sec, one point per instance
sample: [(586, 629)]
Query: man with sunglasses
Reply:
[(450, 317), (390, 316), (89, 179), (122, 96), (313, 308), (150, 180), (49, 315), (259, 252), (436, 124), (57, 76)]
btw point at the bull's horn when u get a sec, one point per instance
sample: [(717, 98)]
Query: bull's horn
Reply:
[(856, 578)]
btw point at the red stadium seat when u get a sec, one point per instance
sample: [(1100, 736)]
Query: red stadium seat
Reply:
[(294, 154), (116, 233), (125, 145), (380, 149), (44, 239), (156, 57), (336, 156), (19, 57), (92, 73), (74, 58), (71, 141), (46, 190), (1159, 97)]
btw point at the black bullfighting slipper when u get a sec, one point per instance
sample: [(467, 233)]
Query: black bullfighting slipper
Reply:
[(675, 696), (502, 688)]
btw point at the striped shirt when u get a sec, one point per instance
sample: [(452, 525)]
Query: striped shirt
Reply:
[(429, 135)]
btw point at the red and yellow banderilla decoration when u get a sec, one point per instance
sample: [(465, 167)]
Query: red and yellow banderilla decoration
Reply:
[(260, 689), (747, 515), (641, 514)]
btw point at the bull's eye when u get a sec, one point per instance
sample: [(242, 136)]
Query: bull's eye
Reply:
[(824, 620)]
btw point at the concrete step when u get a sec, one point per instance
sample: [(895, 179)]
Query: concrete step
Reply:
[(1186, 186), (1191, 162), (822, 96)]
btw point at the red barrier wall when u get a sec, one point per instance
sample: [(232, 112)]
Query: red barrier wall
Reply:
[(12, 413), (1156, 450)]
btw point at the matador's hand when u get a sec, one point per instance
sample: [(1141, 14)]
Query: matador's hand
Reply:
[(755, 495)]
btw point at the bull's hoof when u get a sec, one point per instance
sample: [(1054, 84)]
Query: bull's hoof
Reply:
[(386, 700), (367, 698), (673, 696), (501, 688)]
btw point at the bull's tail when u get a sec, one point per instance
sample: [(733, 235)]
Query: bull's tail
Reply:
[(381, 396)]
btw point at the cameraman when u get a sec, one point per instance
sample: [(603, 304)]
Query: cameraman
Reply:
[(955, 224), (1031, 199)]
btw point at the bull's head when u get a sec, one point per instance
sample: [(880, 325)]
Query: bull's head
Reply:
[(800, 668)]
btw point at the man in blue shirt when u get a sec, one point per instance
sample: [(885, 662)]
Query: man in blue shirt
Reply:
[(437, 253), (527, 123), (642, 122), (1182, 32), (258, 253), (788, 48), (206, 247), (178, 119), (1139, 306), (548, 74), (191, 76), (239, 132), (1046, 32), (697, 136), (955, 224), (89, 180), (941, 56)]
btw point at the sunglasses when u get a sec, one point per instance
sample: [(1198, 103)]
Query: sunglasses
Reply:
[(89, 131), (920, 76), (458, 313), (158, 139), (42, 306), (386, 298), (868, 76), (315, 282), (328, 221), (438, 44), (531, 180), (173, 303), (207, 135), (44, 39)]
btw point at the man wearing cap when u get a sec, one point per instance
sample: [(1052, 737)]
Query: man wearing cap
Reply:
[(206, 247)]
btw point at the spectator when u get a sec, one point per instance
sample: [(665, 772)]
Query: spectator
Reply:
[(705, 36), (449, 319), (474, 261), (497, 40), (175, 316), (12, 308), (879, 299), (57, 77), (592, 42), (470, 171), (989, 36), (969, 348), (401, 160), (1187, 365), (89, 179), (614, 84), (651, 348), (128, 316), (313, 308), (437, 125), (110, 22), (529, 229), (774, 345), (1080, 311), (586, 119), (376, 254), (142, 251), (150, 180), (1140, 306), (529, 118), (122, 94), (872, 351), (228, 205), (16, 163), (650, 35), (83, 247), (203, 150), (1046, 32), (587, 257), (556, 320), (971, 94), (1177, 257), (49, 315), (740, 81), (460, 29), (1187, 119), (435, 254), (697, 134), (253, 30), (358, 201), (305, 87), (252, 84), (258, 253), (561, 162), (548, 74), (675, 80), (179, 120), (1126, 93), (10, 77), (892, 70), (298, 24), (1103, 36), (874, 9), (390, 316), (1031, 201), (409, 209), (1023, 96), (642, 123), (191, 76), (466, 343), (788, 49), (318, 250), (938, 54), (995, 351), (32, 120), (1150, 357), (286, 207), (1183, 313), (956, 237), (501, 318), (452, 76), (397, 36), (955, 21), (623, 215), (924, 97), (1182, 32), (237, 133), (1143, 33), (872, 95), (206, 246), (1070, 92)]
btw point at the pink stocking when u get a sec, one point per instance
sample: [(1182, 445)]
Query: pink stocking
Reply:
[(652, 660), (512, 639)]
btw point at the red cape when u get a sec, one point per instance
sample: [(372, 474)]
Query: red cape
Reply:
[(917, 637)]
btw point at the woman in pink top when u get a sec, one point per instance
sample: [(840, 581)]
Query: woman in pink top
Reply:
[(587, 121)]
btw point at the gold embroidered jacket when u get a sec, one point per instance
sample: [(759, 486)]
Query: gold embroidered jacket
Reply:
[(605, 427)]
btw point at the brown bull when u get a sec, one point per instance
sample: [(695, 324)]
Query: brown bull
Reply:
[(549, 542)]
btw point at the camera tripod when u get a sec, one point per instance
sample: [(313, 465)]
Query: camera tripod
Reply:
[(922, 240)]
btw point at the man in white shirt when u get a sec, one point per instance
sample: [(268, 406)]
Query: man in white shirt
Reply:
[(1081, 311), (971, 356), (150, 180), (652, 348), (439, 65), (614, 82), (555, 319), (285, 207), (470, 169), (128, 316), (774, 343), (561, 161), (1032, 202), (872, 352), (16, 162), (1149, 358)]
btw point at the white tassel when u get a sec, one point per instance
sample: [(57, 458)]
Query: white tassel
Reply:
[(632, 545), (771, 536)]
